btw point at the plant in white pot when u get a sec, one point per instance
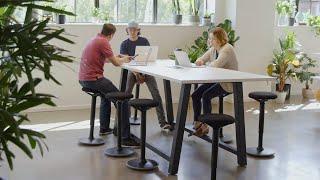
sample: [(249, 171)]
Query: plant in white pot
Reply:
[(206, 19), (286, 12), (194, 7), (305, 75), (283, 67), (177, 16)]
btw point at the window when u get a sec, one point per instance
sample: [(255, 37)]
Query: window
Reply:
[(120, 11), (165, 14), (311, 6)]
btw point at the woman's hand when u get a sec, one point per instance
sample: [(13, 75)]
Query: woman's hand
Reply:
[(199, 62)]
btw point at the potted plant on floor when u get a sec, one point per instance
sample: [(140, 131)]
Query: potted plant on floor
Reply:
[(25, 50), (304, 74), (284, 65), (194, 7), (177, 17)]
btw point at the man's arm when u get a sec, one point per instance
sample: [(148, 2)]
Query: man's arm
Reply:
[(118, 61)]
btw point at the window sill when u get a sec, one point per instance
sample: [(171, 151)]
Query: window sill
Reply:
[(125, 24)]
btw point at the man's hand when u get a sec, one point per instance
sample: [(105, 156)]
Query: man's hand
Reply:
[(199, 62), (126, 59), (140, 78)]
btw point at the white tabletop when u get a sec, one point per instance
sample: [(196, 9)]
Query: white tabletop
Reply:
[(165, 69)]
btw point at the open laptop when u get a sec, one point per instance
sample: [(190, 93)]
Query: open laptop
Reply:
[(184, 61), (144, 54)]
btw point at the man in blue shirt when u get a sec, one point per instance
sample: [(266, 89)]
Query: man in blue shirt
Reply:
[(128, 47)]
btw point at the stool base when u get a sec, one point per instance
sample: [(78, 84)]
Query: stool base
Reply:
[(136, 164), (226, 138), (93, 142), (256, 153), (114, 152), (135, 121)]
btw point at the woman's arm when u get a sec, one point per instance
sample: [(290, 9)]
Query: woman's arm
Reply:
[(221, 61), (205, 57)]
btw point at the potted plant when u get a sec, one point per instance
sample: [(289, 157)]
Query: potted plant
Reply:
[(304, 74), (284, 65), (95, 15), (282, 69), (314, 23), (22, 55), (286, 12), (206, 19), (177, 17), (194, 6), (61, 17)]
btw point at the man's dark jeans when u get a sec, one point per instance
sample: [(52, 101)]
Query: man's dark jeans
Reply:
[(105, 86)]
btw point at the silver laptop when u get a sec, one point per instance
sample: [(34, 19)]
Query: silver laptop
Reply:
[(184, 61), (141, 59)]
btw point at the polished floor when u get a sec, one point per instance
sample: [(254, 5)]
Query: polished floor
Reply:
[(291, 130)]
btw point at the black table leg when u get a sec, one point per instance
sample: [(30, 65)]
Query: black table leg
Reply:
[(123, 80), (240, 124), (168, 99), (179, 129)]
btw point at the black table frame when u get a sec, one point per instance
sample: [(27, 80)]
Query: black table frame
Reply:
[(180, 123)]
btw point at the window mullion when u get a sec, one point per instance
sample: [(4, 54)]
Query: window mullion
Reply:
[(155, 12)]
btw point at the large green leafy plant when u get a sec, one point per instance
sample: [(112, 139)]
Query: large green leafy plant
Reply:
[(200, 44), (285, 61), (24, 49)]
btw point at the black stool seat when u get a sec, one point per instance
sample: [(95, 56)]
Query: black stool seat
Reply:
[(118, 96), (216, 121), (260, 95), (89, 90), (143, 104)]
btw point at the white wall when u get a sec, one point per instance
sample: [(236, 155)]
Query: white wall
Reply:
[(70, 96)]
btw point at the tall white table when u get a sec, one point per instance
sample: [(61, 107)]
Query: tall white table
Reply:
[(165, 70)]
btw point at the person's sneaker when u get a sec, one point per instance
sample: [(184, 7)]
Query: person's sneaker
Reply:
[(104, 132), (130, 142), (165, 126)]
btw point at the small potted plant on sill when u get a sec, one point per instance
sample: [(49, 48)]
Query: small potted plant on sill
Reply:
[(314, 23), (177, 17), (194, 6), (286, 12), (304, 74), (61, 18), (95, 15), (206, 19)]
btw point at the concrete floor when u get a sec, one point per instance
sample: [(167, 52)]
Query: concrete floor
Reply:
[(292, 130)]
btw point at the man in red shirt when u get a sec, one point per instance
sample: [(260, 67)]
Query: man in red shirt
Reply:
[(96, 53)]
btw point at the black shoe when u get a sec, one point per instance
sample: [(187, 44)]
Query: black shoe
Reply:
[(130, 142), (165, 126), (104, 132)]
